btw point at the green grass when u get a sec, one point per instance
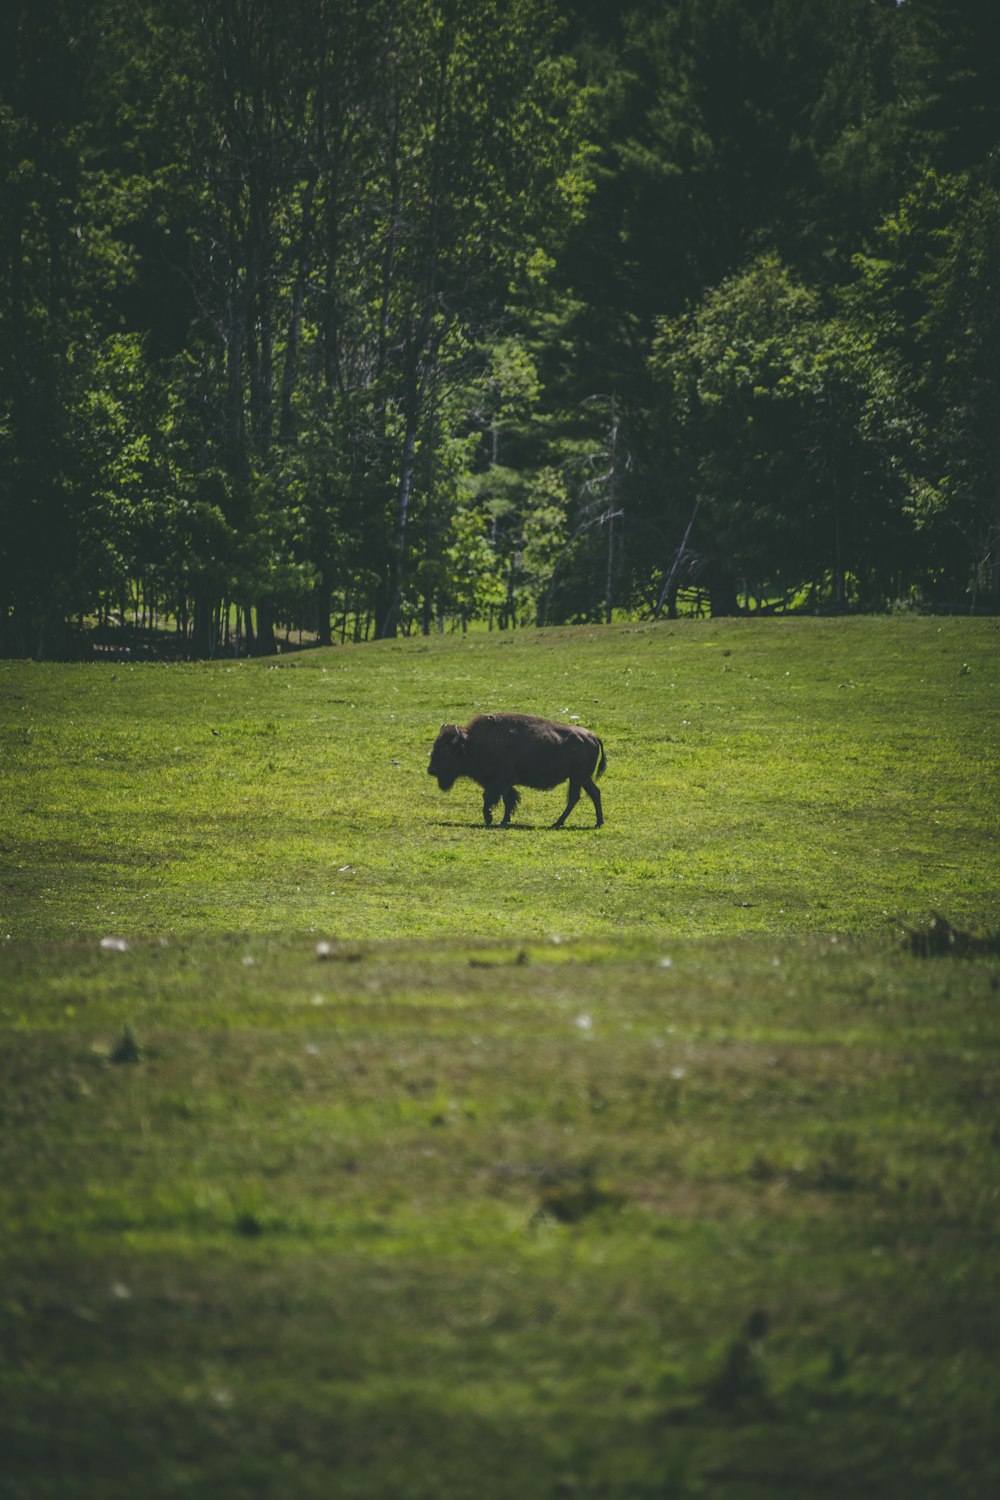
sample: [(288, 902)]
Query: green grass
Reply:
[(778, 776), (483, 1202)]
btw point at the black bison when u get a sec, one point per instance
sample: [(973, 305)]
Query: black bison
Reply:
[(505, 751)]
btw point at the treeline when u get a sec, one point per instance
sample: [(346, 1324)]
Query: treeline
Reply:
[(360, 316)]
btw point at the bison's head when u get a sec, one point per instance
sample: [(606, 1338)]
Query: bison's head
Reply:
[(448, 756)]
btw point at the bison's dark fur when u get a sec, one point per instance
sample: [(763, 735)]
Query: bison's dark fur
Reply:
[(504, 751)]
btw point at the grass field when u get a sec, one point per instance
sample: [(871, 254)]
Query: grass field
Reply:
[(632, 1163)]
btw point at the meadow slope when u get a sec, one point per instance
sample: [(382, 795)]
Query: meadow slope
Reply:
[(626, 1164), (784, 776)]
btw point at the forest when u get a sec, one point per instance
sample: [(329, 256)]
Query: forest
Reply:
[(362, 318)]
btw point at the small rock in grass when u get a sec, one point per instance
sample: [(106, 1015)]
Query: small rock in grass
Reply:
[(126, 1049)]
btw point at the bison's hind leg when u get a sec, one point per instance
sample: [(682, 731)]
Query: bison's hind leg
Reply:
[(593, 793), (575, 788), (571, 801)]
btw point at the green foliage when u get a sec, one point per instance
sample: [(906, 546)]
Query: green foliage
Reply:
[(424, 156), (933, 290), (282, 284), (785, 424)]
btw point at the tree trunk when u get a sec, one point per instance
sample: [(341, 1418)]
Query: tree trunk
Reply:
[(390, 621), (295, 319), (324, 598), (670, 583), (266, 645), (721, 587), (203, 632), (609, 573)]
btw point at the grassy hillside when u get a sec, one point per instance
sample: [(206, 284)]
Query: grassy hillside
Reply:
[(774, 776), (632, 1163)]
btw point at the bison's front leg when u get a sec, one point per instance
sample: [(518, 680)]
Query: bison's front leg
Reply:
[(491, 796), (511, 797)]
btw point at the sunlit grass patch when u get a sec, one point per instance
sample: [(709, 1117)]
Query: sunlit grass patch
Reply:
[(762, 775)]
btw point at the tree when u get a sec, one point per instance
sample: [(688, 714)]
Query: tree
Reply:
[(484, 174), (954, 48), (302, 305), (59, 268), (931, 294), (786, 436)]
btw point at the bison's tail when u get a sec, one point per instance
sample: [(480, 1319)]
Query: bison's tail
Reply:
[(602, 763)]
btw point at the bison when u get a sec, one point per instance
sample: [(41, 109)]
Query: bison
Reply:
[(504, 751)]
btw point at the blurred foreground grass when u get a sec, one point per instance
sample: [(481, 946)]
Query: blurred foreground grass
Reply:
[(699, 1218)]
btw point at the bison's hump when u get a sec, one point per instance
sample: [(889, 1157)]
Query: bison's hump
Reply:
[(530, 725), (528, 741)]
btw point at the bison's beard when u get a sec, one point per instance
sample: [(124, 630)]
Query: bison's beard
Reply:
[(445, 780)]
